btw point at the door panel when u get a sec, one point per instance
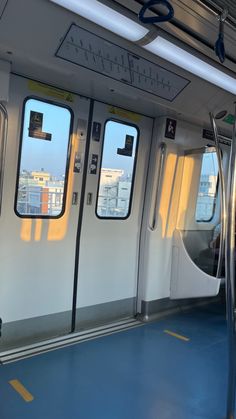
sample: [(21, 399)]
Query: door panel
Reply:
[(37, 253), (109, 243)]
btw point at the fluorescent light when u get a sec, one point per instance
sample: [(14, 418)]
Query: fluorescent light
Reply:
[(170, 52), (105, 16)]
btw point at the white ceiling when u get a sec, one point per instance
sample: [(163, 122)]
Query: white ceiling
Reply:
[(31, 30)]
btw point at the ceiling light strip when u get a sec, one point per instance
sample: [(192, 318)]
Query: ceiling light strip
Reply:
[(106, 17), (125, 27), (178, 56)]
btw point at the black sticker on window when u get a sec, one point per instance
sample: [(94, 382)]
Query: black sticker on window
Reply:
[(36, 125), (170, 128), (128, 149)]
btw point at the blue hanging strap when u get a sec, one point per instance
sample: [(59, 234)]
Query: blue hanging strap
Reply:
[(156, 19), (219, 45)]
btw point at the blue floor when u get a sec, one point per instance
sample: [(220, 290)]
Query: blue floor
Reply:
[(142, 373)]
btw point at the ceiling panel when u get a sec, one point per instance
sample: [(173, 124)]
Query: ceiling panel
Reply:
[(33, 44)]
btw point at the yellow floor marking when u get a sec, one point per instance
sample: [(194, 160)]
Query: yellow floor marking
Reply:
[(21, 390), (176, 335)]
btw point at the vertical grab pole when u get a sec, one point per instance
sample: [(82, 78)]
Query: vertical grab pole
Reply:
[(162, 150), (4, 128), (222, 197), (230, 276)]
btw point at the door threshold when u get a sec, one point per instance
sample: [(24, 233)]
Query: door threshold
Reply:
[(27, 351)]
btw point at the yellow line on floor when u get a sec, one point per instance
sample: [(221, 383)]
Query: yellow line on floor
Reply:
[(16, 384), (176, 335)]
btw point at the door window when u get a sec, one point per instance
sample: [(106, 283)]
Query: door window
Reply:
[(117, 170), (43, 160)]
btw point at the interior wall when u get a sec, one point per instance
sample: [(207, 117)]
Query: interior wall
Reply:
[(176, 208)]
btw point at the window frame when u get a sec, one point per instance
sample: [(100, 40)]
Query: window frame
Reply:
[(67, 165), (133, 174), (215, 197)]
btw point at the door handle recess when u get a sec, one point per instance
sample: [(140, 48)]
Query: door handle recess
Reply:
[(89, 198), (75, 198)]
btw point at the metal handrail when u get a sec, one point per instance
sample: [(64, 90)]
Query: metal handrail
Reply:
[(162, 151), (230, 276), (4, 129), (227, 246), (222, 197)]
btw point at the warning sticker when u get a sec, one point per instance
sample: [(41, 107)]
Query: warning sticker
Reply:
[(38, 87), (36, 121), (170, 128), (124, 114), (36, 125), (128, 148)]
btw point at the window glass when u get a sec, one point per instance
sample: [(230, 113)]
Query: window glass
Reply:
[(207, 187), (117, 170), (42, 172)]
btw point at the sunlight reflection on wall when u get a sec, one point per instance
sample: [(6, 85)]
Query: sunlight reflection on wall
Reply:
[(57, 228)]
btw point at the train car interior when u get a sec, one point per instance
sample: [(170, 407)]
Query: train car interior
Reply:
[(117, 209)]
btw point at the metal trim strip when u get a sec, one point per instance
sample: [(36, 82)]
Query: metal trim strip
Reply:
[(67, 340)]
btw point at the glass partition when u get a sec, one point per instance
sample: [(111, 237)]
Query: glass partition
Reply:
[(203, 243)]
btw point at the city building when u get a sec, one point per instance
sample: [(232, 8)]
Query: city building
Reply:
[(114, 193), (206, 197), (39, 193)]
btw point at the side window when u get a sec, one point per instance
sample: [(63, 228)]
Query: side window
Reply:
[(207, 188), (117, 170), (43, 160)]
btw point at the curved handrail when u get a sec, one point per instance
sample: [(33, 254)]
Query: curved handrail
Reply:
[(4, 129), (162, 151), (156, 19), (183, 285), (222, 197)]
